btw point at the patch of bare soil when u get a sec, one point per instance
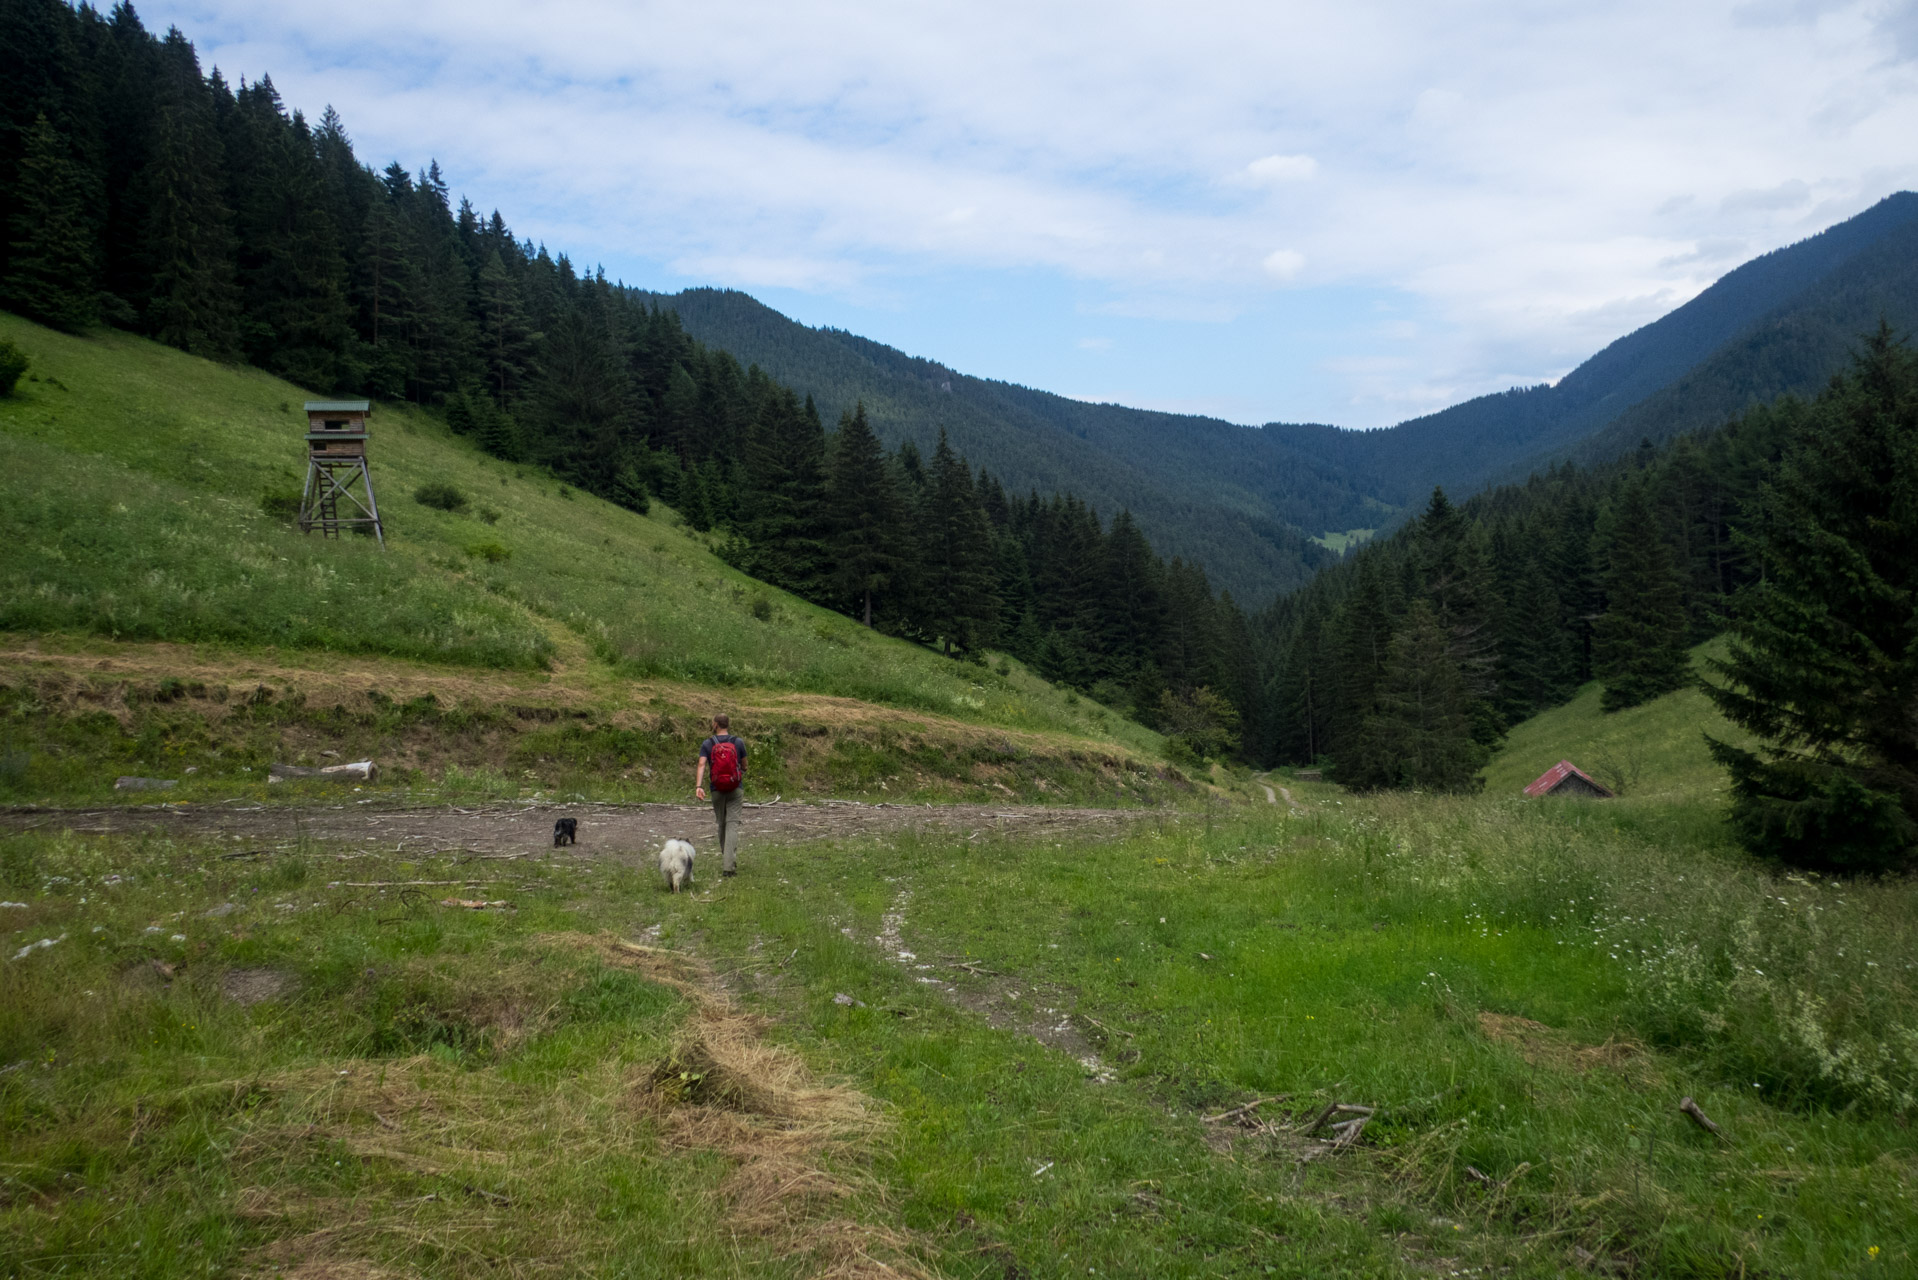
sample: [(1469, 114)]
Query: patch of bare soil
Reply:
[(1545, 1046), (247, 987), (605, 830)]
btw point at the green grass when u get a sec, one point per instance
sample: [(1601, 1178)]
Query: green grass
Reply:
[(1333, 540), (131, 479), (1352, 950), (1656, 749)]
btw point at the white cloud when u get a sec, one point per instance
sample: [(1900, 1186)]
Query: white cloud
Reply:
[(1273, 171), (1528, 178), (1283, 264), (1786, 195)]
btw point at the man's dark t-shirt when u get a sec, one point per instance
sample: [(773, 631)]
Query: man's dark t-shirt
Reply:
[(706, 751)]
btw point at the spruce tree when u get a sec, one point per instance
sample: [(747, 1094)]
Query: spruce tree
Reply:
[(383, 285), (1132, 612), (505, 337), (1824, 658), (53, 269), (1360, 641), (958, 559), (496, 430), (1420, 734), (192, 300), (691, 500), (864, 517), (1638, 643), (783, 521)]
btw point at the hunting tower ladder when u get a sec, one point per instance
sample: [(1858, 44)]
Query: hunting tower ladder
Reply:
[(338, 495)]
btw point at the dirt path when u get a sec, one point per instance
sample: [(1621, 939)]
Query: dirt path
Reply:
[(603, 828)]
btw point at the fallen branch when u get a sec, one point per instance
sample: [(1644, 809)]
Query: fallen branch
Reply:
[(1236, 1112), (1348, 1132), (1113, 1031), (1702, 1120), (475, 904), (1339, 1108), (358, 771)]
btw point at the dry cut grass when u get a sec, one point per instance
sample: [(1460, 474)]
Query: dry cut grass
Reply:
[(725, 1088)]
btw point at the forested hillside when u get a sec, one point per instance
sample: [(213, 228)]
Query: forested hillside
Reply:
[(1405, 664), (1202, 489), (157, 199)]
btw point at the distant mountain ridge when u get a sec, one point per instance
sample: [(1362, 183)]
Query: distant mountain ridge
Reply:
[(1646, 378), (1242, 500), (1208, 491)]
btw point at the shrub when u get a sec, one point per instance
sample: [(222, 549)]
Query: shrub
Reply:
[(13, 363), (440, 495), (491, 552), (280, 505), (762, 608)]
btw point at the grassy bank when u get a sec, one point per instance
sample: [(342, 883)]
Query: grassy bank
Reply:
[(1523, 991), (77, 714), (131, 486)]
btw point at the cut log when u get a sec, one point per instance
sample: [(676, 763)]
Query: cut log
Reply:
[(358, 771), (1702, 1120)]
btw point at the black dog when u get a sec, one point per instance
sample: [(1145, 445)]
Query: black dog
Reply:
[(565, 831)]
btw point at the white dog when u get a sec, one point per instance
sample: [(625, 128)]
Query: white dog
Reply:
[(676, 864)]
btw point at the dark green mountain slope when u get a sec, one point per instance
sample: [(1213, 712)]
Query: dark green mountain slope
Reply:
[(1202, 489), (1795, 348)]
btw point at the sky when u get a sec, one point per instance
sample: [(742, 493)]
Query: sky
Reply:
[(1348, 212)]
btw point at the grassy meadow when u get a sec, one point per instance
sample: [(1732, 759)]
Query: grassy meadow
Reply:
[(1653, 750), (978, 1057)]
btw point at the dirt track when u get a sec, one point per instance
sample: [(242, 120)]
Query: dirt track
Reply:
[(603, 828)]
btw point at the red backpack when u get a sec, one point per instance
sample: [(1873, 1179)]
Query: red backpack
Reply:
[(725, 765)]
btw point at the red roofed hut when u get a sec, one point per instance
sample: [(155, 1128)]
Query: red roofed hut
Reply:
[(1567, 779)]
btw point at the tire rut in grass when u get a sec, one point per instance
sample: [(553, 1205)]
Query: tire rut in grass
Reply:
[(1040, 1012)]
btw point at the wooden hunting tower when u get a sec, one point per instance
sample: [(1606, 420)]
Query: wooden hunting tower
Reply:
[(336, 474)]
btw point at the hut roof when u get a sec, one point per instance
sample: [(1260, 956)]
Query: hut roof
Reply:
[(339, 406), (1561, 773)]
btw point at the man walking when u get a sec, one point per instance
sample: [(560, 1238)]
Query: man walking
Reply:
[(725, 755)]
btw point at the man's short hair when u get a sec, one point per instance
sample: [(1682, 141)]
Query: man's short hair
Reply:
[(721, 722)]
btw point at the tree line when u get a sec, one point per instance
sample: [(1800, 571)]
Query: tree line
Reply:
[(1405, 664), (156, 198)]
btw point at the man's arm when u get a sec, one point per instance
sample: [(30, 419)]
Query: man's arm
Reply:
[(699, 780)]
